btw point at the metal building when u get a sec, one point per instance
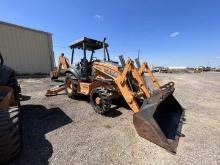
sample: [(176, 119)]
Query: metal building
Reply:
[(26, 50)]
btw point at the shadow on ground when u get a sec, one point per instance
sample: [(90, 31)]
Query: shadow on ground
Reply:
[(37, 121), (112, 113), (58, 80)]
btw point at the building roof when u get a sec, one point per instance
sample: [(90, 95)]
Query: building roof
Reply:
[(91, 44), (22, 27)]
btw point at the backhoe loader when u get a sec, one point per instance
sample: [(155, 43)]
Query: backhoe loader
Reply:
[(157, 113)]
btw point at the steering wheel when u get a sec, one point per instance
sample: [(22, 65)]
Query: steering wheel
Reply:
[(1, 59)]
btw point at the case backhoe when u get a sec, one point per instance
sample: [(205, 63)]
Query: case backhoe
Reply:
[(157, 113)]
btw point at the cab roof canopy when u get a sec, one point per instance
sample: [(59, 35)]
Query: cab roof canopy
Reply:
[(90, 44)]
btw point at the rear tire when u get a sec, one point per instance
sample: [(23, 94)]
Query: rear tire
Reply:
[(10, 134), (71, 85), (100, 100)]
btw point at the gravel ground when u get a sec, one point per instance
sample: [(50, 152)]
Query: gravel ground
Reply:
[(59, 130)]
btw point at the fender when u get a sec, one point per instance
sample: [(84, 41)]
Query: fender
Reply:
[(75, 72)]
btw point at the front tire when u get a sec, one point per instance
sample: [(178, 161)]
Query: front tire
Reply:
[(100, 100)]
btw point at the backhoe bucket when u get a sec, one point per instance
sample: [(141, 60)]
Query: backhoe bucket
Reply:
[(160, 121)]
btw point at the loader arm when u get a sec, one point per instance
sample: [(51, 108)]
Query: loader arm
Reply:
[(145, 68), (126, 91), (120, 78)]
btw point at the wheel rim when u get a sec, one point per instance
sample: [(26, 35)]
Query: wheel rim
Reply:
[(98, 100), (69, 86)]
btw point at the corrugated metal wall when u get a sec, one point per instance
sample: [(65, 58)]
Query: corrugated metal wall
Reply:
[(25, 50)]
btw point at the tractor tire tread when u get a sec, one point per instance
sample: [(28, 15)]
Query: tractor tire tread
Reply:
[(105, 100), (10, 134)]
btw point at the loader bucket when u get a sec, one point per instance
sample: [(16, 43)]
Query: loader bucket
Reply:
[(160, 122)]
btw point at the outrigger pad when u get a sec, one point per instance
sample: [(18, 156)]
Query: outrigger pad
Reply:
[(160, 122)]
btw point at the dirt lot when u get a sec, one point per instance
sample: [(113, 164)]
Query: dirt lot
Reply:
[(59, 130)]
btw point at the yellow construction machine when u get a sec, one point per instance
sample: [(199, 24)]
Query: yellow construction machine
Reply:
[(157, 113), (63, 65)]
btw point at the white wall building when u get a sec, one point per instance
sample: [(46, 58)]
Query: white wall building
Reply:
[(27, 51)]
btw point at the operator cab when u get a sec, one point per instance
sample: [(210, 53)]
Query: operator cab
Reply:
[(84, 67)]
